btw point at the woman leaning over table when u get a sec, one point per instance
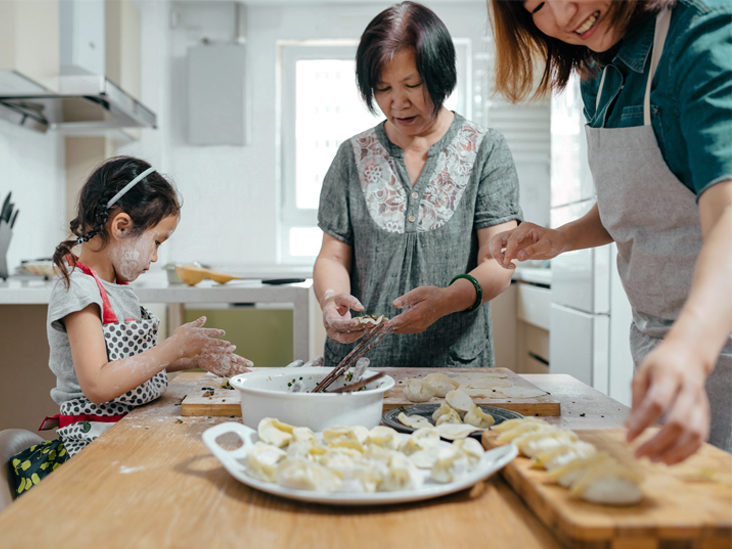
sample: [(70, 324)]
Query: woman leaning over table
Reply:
[(411, 203), (657, 92)]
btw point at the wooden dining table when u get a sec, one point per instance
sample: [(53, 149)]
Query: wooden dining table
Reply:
[(149, 481)]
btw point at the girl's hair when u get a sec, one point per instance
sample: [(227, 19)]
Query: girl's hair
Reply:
[(147, 203), (521, 47), (404, 26)]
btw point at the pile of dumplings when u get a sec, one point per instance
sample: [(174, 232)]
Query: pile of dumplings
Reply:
[(355, 458), (456, 417), (588, 473)]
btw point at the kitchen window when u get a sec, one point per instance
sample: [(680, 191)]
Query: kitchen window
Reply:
[(319, 108)]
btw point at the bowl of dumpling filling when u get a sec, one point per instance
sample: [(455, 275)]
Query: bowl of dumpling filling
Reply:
[(287, 394)]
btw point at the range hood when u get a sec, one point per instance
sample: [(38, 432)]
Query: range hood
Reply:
[(84, 105)]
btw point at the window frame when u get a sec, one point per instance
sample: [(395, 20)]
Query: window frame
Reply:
[(289, 52)]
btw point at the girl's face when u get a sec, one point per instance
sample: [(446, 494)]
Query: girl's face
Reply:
[(402, 96), (582, 23), (132, 255)]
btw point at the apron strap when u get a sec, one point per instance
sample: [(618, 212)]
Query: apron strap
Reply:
[(62, 420), (108, 316), (659, 38)]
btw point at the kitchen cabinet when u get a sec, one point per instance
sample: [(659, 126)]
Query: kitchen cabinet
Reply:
[(532, 328), (521, 320)]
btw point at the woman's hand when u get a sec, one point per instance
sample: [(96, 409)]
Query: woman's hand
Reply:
[(527, 241), (670, 383), (339, 325), (424, 306)]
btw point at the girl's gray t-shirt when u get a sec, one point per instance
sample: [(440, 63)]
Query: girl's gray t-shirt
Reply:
[(406, 236), (82, 292)]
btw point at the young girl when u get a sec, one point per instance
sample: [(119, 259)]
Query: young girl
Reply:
[(102, 342)]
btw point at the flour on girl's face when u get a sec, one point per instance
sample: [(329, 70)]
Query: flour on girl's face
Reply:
[(132, 255)]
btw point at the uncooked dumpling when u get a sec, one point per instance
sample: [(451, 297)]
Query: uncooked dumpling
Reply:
[(459, 400), (273, 431), (439, 384), (307, 475), (450, 464), (262, 460), (476, 416), (414, 421), (421, 439), (381, 435), (454, 431), (471, 448), (416, 391), (345, 433), (402, 474), (445, 414), (609, 483)]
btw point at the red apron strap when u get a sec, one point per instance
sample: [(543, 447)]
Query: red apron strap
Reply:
[(108, 315), (62, 420)]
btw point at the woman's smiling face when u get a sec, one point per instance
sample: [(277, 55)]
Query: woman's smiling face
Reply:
[(582, 23)]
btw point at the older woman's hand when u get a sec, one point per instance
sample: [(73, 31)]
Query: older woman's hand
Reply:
[(424, 306), (527, 241), (339, 325)]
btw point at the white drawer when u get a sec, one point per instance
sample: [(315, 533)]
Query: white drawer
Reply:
[(533, 305)]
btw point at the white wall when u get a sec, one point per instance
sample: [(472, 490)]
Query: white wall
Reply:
[(230, 193), (31, 166)]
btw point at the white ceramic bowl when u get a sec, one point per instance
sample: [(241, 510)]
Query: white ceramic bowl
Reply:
[(265, 393)]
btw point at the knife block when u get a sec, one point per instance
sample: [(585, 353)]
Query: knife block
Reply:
[(5, 234)]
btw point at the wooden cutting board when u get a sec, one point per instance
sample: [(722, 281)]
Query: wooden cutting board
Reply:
[(502, 388), (219, 402), (687, 505)]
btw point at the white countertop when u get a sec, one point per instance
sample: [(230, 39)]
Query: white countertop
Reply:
[(154, 288)]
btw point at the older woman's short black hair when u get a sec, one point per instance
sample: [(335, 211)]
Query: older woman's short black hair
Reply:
[(407, 25)]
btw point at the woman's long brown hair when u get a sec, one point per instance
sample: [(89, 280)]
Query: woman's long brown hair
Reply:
[(522, 49)]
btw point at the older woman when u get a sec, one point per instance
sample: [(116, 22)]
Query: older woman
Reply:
[(408, 207), (657, 92)]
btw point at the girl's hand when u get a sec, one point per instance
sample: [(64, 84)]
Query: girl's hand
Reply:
[(424, 305), (670, 383), (192, 340), (224, 364), (339, 325), (527, 241)]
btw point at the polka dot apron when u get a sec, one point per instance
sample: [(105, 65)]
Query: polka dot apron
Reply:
[(80, 421)]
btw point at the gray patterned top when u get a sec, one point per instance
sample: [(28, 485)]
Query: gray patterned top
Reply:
[(406, 236)]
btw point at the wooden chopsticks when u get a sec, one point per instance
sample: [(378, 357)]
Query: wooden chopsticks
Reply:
[(358, 384), (372, 337)]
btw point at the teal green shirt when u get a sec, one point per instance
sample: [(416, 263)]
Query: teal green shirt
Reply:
[(691, 94)]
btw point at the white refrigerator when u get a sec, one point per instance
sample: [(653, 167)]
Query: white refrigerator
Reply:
[(590, 313)]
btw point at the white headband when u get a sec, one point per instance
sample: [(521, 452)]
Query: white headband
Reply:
[(129, 185)]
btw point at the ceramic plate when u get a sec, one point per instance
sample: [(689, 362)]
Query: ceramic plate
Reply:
[(426, 410), (232, 460)]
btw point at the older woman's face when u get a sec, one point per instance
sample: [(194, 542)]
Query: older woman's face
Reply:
[(402, 95), (583, 22)]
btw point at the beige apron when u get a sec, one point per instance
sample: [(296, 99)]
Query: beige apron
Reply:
[(654, 220)]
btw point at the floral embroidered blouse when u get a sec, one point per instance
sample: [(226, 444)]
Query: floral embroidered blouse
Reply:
[(404, 236)]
